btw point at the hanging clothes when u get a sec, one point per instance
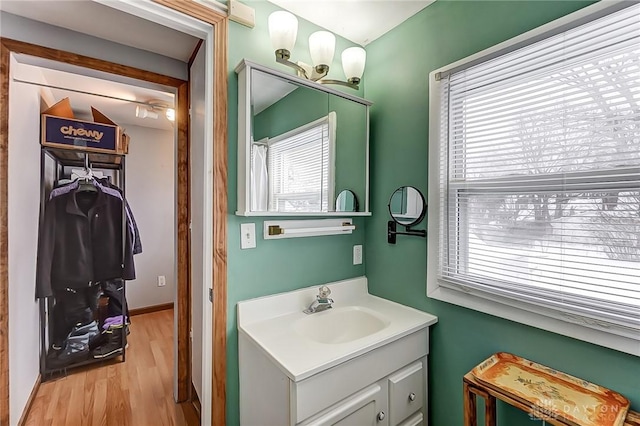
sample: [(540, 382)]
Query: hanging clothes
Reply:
[(72, 307), (114, 290), (109, 189), (107, 185), (81, 242)]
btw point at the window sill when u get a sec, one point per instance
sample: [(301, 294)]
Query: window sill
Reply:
[(534, 316)]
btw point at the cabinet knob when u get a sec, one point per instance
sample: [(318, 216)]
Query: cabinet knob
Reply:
[(381, 416), (412, 396)]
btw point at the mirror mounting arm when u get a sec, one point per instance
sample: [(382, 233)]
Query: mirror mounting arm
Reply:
[(391, 232)]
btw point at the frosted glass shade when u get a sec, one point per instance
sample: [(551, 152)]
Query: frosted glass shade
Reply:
[(283, 29), (353, 61), (322, 45)]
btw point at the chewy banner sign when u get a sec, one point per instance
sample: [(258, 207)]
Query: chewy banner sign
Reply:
[(79, 133)]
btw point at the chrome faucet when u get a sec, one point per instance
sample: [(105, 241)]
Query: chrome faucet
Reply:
[(322, 302)]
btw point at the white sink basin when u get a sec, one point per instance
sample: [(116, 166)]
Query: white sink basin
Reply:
[(303, 345), (340, 325)]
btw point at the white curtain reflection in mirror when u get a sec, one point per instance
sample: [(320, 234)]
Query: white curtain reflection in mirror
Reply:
[(301, 169), (259, 176)]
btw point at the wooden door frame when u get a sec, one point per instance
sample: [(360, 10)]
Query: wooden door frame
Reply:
[(219, 261)]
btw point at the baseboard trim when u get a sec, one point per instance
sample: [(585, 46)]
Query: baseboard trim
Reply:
[(32, 397), (149, 309), (191, 417), (195, 401)]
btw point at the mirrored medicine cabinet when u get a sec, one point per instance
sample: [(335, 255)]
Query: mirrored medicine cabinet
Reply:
[(301, 146)]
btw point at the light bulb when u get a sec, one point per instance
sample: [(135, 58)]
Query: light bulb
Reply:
[(283, 29), (322, 45), (353, 61), (170, 113)]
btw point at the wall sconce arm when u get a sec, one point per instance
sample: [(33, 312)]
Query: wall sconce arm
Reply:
[(341, 83), (392, 232)]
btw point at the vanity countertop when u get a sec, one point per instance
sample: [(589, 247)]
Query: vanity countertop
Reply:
[(274, 322)]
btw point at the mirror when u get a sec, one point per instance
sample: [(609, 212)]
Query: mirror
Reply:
[(407, 206), (346, 201), (299, 144)]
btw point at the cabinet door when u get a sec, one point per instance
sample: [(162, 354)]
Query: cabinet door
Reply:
[(415, 420), (366, 408), (406, 392)]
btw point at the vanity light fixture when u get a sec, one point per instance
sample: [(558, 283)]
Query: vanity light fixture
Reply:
[(283, 30)]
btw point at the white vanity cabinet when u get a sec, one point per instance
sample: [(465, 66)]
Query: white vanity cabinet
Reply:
[(383, 387), (365, 408), (395, 401), (363, 362)]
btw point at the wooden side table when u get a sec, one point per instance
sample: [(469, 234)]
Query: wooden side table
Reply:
[(472, 388)]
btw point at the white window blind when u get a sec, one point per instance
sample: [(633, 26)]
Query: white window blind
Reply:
[(540, 174), (301, 164)]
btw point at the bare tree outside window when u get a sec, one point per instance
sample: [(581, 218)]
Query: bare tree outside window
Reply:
[(558, 186)]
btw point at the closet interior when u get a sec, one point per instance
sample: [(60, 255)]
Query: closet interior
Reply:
[(99, 201), (87, 235)]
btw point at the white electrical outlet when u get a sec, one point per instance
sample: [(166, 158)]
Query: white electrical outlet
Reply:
[(162, 281), (247, 235), (357, 255)]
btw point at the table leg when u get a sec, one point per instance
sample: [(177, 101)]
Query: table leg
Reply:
[(490, 411), (469, 399)]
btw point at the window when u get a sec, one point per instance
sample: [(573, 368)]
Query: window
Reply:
[(301, 167), (538, 176)]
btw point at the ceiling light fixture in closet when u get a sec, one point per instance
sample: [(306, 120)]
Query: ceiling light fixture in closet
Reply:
[(151, 108), (146, 112)]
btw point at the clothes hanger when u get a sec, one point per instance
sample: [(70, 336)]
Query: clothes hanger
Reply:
[(87, 180), (87, 184)]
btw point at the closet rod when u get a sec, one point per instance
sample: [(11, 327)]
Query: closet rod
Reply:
[(17, 80)]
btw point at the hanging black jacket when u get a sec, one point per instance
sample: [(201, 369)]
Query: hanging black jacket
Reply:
[(80, 242)]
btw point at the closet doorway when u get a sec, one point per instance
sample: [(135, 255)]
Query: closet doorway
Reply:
[(213, 408)]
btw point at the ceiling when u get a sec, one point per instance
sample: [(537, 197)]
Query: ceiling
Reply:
[(271, 90), (361, 21), (115, 99), (106, 23), (113, 25)]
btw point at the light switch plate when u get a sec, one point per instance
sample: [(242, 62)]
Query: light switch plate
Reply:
[(247, 235), (357, 255)]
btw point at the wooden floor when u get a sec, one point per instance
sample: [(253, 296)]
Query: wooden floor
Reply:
[(138, 392)]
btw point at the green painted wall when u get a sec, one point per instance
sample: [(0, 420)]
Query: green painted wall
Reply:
[(351, 146), (274, 266), (300, 107), (397, 83)]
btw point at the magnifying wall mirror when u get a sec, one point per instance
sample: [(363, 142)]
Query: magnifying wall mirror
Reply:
[(346, 201), (408, 208)]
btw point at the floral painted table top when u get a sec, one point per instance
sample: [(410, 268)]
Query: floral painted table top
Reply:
[(551, 393)]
